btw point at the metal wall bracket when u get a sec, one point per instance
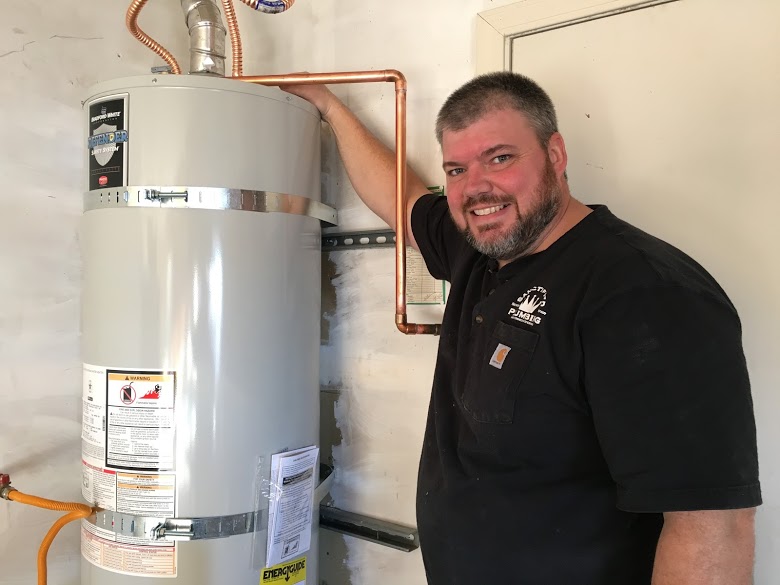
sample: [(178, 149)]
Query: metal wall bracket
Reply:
[(361, 239), (389, 534)]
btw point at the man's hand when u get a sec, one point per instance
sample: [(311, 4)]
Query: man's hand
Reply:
[(318, 95)]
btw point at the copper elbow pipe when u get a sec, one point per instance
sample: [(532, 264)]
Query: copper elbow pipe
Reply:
[(131, 20), (396, 77), (235, 38)]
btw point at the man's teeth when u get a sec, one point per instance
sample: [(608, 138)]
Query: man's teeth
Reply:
[(489, 210)]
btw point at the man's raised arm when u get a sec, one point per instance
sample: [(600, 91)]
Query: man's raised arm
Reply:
[(370, 164)]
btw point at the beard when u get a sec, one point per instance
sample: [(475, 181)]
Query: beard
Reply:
[(523, 236)]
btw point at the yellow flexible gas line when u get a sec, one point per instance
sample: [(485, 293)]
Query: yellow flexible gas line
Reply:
[(75, 512)]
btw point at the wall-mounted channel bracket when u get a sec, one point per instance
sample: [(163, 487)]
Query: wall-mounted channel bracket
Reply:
[(357, 240), (389, 534)]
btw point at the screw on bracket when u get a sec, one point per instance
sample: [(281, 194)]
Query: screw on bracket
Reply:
[(155, 195)]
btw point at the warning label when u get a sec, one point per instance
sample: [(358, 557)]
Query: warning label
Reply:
[(146, 495), (139, 429), (127, 440), (286, 573), (101, 548)]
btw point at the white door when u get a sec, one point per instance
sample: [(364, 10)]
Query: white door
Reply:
[(671, 116)]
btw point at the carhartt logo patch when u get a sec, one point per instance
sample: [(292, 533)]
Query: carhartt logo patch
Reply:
[(499, 356)]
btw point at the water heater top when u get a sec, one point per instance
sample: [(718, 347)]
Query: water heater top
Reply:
[(123, 84)]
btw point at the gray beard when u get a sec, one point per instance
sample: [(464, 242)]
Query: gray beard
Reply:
[(524, 235)]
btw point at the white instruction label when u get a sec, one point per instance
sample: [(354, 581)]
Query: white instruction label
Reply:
[(421, 287), (290, 506), (104, 549), (128, 464)]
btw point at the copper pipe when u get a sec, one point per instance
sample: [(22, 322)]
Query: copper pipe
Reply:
[(316, 78), (235, 38), (388, 75), (131, 20)]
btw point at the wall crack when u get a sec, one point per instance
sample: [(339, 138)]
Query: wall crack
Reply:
[(64, 37)]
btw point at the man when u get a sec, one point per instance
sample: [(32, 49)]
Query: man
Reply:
[(591, 420)]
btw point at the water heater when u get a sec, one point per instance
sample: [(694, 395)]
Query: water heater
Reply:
[(200, 326)]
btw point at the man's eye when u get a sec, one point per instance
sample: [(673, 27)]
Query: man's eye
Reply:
[(455, 172), (502, 158)]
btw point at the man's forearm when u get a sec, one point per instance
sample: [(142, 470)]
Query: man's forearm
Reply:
[(370, 165), (706, 548)]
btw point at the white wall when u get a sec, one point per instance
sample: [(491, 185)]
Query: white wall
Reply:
[(49, 54), (379, 380)]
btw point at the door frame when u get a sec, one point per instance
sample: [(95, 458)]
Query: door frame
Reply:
[(497, 28)]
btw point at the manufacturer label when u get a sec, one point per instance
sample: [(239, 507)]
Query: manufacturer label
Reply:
[(107, 142)]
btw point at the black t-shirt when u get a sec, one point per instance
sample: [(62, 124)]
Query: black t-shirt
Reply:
[(579, 393)]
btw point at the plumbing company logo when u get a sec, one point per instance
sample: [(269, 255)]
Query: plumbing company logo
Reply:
[(529, 308), (153, 394)]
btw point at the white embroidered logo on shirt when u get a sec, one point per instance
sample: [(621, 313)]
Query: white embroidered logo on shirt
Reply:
[(529, 308), (499, 356)]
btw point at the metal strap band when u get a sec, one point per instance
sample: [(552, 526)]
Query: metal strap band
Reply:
[(173, 529), (208, 198)]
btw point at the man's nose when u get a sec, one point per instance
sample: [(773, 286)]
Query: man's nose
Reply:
[(477, 183)]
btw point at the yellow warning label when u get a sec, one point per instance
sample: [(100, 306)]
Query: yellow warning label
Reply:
[(140, 378), (286, 573)]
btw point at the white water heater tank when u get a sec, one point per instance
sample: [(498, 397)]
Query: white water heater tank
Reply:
[(200, 325)]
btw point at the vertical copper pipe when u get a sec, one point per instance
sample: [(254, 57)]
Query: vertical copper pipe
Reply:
[(389, 75), (131, 20), (235, 38)]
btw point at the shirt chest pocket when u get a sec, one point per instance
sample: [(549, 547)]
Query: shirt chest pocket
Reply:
[(493, 382)]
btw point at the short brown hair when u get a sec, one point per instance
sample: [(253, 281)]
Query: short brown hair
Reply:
[(493, 91)]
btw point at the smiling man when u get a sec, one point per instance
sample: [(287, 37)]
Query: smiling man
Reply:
[(591, 421)]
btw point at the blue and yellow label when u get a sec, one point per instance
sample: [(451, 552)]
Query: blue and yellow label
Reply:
[(115, 137)]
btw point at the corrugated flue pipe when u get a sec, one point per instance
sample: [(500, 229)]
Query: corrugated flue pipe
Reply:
[(207, 37)]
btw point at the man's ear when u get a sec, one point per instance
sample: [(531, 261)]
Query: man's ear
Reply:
[(556, 152)]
